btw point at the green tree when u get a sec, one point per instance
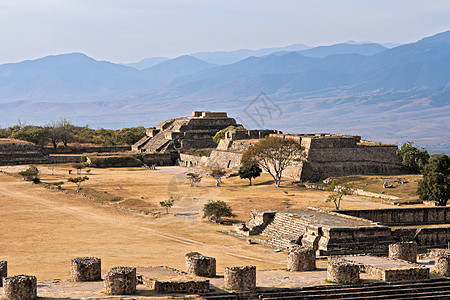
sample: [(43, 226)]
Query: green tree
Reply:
[(129, 136), (220, 135), (216, 210), (274, 155), (249, 170), (78, 181), (413, 158), (167, 204), (435, 185), (65, 131), (34, 134), (217, 174), (338, 190), (31, 174)]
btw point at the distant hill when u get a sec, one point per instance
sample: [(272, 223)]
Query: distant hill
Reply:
[(389, 95), (147, 62)]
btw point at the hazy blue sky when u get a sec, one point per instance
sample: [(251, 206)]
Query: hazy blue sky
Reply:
[(129, 30)]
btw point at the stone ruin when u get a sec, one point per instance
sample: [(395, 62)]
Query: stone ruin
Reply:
[(3, 271), (325, 155), (185, 133), (301, 259), (200, 265), (442, 265), (18, 152), (20, 287), (240, 278), (342, 272), (120, 281), (404, 250), (86, 269)]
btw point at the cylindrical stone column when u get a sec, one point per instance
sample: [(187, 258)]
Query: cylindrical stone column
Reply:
[(342, 272), (86, 269), (20, 287), (3, 271), (301, 259), (404, 250), (120, 281), (442, 264), (240, 278), (200, 265)]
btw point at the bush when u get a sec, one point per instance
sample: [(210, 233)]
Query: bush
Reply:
[(31, 173), (216, 210)]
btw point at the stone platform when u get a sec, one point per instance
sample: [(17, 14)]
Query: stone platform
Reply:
[(389, 269)]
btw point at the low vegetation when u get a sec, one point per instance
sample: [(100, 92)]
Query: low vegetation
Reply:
[(31, 174), (63, 132), (220, 135), (216, 210)]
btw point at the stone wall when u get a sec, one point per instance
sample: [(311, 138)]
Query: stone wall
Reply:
[(86, 149), (224, 159), (120, 281), (442, 265), (200, 265), (188, 160), (159, 159), (20, 287), (86, 269), (64, 159), (240, 278), (404, 250), (403, 216), (191, 287), (301, 259), (19, 153), (3, 271), (342, 272)]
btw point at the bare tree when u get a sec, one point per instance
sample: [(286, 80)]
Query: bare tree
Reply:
[(65, 129), (274, 155)]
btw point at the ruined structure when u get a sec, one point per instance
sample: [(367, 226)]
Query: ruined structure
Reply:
[(120, 281), (301, 259), (200, 265), (20, 287), (86, 269), (404, 250), (240, 278), (3, 271), (17, 152), (342, 272), (442, 265), (345, 232), (325, 155), (185, 133)]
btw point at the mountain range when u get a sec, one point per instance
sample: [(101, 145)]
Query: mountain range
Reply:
[(389, 95)]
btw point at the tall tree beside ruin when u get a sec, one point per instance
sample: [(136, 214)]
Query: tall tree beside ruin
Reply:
[(274, 155), (435, 185), (249, 170), (413, 158)]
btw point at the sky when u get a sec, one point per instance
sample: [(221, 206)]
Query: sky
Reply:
[(125, 31)]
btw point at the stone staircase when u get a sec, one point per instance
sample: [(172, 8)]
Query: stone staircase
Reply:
[(438, 288), (284, 230)]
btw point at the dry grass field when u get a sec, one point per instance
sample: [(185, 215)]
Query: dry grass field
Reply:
[(42, 229)]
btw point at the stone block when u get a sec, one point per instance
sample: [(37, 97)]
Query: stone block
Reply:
[(240, 278), (442, 264), (3, 271), (20, 287), (200, 265), (342, 272), (301, 259), (404, 250), (86, 269), (120, 281)]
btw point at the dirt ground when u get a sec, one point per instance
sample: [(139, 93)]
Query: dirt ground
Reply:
[(43, 229)]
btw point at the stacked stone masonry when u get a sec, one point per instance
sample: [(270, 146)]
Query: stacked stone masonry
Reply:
[(442, 265), (3, 271), (301, 259), (120, 281), (20, 287), (86, 269), (404, 250), (191, 287), (200, 265), (342, 272), (240, 278)]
